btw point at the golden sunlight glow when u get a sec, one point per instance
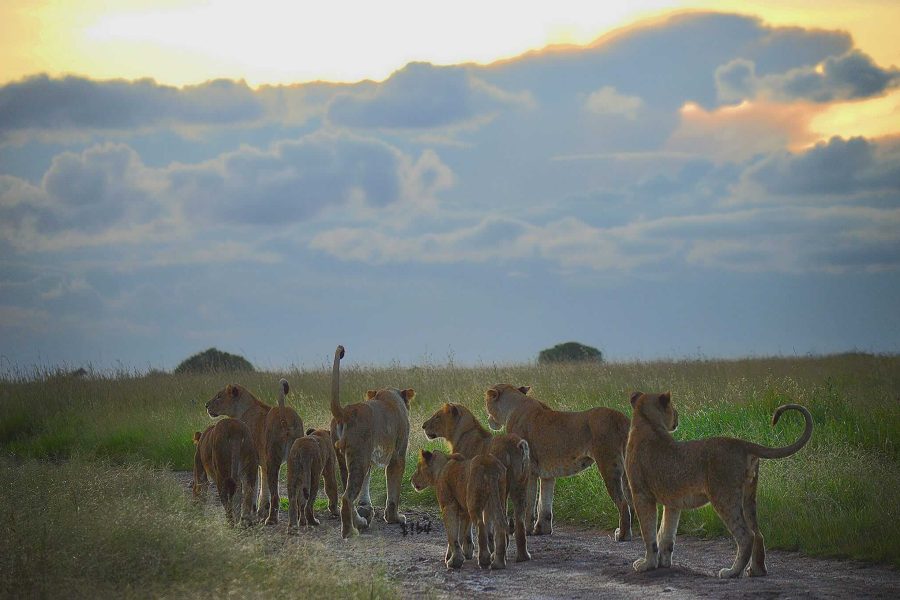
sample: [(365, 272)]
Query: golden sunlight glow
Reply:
[(271, 41)]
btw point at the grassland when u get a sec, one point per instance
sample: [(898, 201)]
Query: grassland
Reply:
[(837, 497)]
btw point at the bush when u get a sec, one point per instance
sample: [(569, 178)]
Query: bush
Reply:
[(213, 361), (569, 352)]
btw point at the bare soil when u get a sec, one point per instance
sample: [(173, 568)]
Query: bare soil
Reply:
[(580, 562)]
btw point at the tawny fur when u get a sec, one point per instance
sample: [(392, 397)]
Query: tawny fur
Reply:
[(329, 468), (225, 454), (562, 444), (469, 492), (683, 475), (374, 432), (304, 470), (466, 436), (274, 429)]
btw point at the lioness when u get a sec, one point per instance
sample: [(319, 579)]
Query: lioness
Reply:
[(466, 436), (328, 467), (678, 475), (563, 444), (469, 491), (226, 454), (304, 469), (274, 429), (372, 432)]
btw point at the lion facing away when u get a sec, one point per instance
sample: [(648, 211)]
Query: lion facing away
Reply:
[(329, 476), (274, 429), (466, 436), (683, 475), (225, 454), (374, 432), (469, 492), (562, 444), (304, 469)]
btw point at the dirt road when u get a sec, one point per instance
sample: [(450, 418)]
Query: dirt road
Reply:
[(579, 562)]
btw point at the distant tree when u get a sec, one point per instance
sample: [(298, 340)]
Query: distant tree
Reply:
[(213, 360), (569, 352)]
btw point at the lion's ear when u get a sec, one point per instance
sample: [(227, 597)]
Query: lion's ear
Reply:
[(426, 455), (634, 397), (371, 394), (233, 390), (665, 398), (454, 410), (197, 436), (525, 389), (491, 394), (408, 394)]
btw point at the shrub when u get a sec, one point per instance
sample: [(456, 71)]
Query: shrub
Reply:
[(570, 352), (213, 361)]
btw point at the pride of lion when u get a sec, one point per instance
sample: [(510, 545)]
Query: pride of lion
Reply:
[(641, 463)]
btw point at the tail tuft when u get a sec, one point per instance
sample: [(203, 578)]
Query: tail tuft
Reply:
[(285, 390), (526, 451)]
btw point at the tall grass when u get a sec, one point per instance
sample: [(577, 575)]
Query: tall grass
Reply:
[(85, 530), (836, 497)]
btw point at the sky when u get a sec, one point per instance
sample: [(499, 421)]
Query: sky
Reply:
[(423, 183)]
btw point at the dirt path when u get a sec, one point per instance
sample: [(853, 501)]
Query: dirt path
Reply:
[(579, 562)]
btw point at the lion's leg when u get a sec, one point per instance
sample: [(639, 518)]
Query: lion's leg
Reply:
[(226, 496), (613, 473), (757, 566), (500, 538), (331, 488), (272, 469), (311, 503), (342, 467), (646, 513), (484, 550), (393, 474), (544, 526), (519, 501), (531, 499), (357, 472), (201, 480), (293, 492), (452, 524), (466, 526), (666, 537), (263, 504), (364, 507), (730, 510), (248, 504)]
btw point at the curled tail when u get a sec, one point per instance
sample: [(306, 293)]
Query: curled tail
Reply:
[(336, 411), (766, 452)]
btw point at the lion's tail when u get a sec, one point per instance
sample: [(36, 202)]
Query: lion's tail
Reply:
[(767, 452), (496, 505), (285, 390), (336, 411)]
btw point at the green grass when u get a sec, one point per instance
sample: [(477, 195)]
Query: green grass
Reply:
[(836, 497), (92, 529)]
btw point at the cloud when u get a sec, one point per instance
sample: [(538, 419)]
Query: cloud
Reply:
[(607, 101), (106, 195), (422, 95), (850, 76), (837, 167), (42, 102)]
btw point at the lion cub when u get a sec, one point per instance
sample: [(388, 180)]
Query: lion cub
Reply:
[(466, 436), (328, 467), (679, 475), (469, 491), (226, 454), (274, 429), (304, 469)]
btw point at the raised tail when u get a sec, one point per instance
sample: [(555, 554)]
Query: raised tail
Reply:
[(767, 452), (285, 390), (336, 411)]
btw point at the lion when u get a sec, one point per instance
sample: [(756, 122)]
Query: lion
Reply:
[(468, 437), (469, 492), (683, 475), (304, 469), (225, 454), (563, 444), (328, 467), (372, 432), (274, 429)]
